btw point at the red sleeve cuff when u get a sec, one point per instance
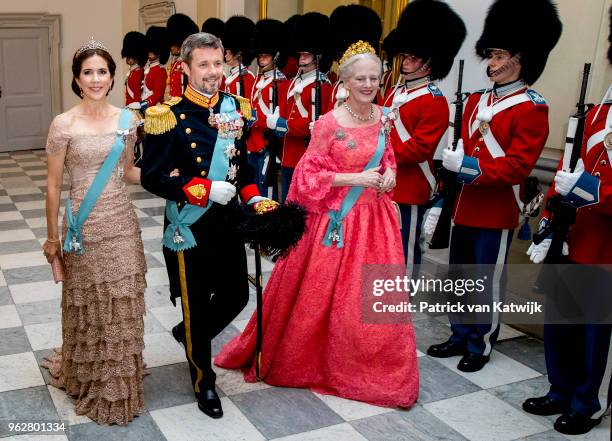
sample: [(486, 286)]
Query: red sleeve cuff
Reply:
[(248, 192), (197, 191)]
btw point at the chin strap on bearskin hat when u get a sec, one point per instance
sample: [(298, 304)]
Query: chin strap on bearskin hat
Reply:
[(529, 28), (275, 228)]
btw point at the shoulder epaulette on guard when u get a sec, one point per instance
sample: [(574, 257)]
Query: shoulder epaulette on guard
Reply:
[(159, 119), (535, 97), (245, 105), (434, 90)]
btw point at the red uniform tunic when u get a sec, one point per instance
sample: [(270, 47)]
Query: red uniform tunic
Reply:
[(261, 102), (416, 133), (175, 78), (133, 85), (233, 84), (299, 113), (589, 239), (521, 131), (154, 83)]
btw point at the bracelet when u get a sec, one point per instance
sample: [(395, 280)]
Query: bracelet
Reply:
[(52, 240)]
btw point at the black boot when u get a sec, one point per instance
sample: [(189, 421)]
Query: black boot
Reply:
[(209, 403), (573, 423), (178, 332), (446, 349), (544, 406), (471, 362)]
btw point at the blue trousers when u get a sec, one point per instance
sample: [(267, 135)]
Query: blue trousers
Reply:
[(287, 176), (412, 223), (489, 247), (256, 160)]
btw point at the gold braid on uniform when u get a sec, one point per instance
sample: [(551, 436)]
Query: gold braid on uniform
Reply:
[(245, 106), (160, 119)]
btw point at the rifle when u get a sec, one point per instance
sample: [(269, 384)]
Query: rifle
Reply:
[(241, 78), (563, 215), (317, 103), (273, 141), (448, 187)]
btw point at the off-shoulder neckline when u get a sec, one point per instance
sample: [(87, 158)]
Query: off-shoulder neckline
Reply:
[(359, 127)]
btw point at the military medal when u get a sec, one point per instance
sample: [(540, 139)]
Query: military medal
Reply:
[(608, 140)]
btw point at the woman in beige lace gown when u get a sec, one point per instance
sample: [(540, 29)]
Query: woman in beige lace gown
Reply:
[(100, 362)]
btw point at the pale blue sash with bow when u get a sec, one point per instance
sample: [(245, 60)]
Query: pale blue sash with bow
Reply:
[(178, 235), (336, 217), (74, 240)]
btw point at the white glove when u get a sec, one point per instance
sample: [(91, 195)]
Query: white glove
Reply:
[(452, 160), (432, 220), (537, 253), (134, 106), (311, 126), (256, 199), (565, 181), (272, 120), (221, 192)]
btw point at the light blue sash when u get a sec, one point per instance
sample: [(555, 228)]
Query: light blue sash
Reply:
[(74, 240), (178, 235), (334, 228)]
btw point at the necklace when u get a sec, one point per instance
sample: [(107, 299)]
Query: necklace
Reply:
[(359, 117)]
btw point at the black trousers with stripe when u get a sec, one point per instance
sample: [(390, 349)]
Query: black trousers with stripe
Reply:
[(211, 282)]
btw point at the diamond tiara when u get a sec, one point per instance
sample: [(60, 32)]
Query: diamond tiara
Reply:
[(360, 47), (91, 44)]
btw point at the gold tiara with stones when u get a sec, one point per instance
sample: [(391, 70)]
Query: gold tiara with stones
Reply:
[(91, 44), (361, 47)]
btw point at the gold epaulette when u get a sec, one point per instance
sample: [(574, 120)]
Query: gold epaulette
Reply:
[(159, 119), (245, 106), (173, 101)]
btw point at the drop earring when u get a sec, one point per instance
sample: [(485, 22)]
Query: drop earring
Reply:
[(81, 92)]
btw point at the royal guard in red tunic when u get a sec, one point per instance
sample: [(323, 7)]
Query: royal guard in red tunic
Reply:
[(179, 27), (135, 53), (237, 36), (349, 24), (154, 85), (504, 130), (579, 355), (264, 144), (308, 95), (427, 38)]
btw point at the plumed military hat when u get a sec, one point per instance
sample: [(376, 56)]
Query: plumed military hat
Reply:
[(431, 30), (157, 42), (237, 34), (180, 27), (351, 23), (135, 46), (530, 28)]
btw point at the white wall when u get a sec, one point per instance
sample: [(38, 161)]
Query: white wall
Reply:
[(79, 21)]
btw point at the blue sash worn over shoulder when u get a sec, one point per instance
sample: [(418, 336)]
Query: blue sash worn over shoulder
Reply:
[(178, 235), (334, 228), (74, 240)]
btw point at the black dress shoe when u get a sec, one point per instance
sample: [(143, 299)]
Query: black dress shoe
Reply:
[(446, 349), (544, 406), (178, 336), (210, 404), (471, 362), (573, 423)]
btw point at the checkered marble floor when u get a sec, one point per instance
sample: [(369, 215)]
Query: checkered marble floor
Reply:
[(453, 405)]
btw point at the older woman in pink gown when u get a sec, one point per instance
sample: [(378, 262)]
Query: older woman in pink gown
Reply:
[(314, 333)]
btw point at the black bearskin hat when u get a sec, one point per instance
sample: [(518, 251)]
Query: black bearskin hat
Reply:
[(530, 28), (610, 38), (237, 34), (311, 33), (270, 37), (213, 25), (431, 30), (388, 45), (180, 27), (351, 23), (135, 46), (157, 42)]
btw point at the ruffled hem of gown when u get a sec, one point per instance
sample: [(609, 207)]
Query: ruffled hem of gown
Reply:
[(100, 363)]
